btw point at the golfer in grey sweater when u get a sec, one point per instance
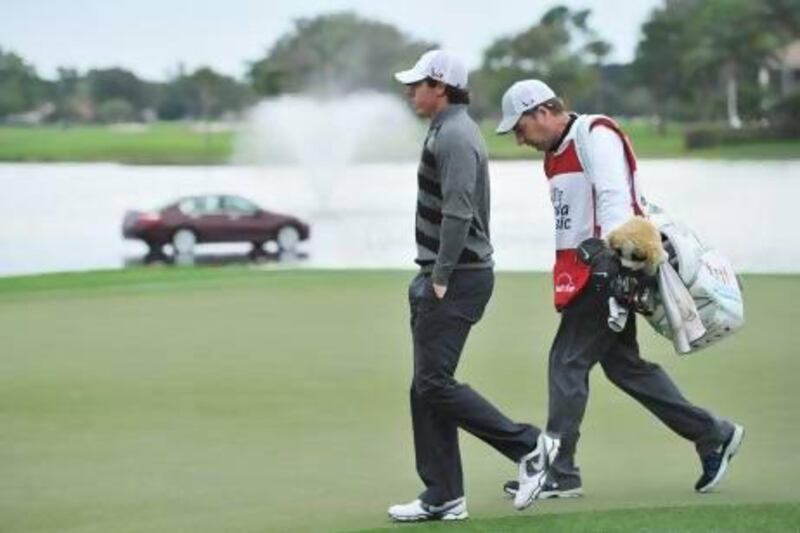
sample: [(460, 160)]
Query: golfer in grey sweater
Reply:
[(449, 295)]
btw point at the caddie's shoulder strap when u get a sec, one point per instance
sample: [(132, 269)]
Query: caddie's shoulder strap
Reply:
[(584, 126), (581, 126)]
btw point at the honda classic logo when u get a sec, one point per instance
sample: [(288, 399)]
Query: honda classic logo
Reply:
[(564, 283), (560, 209)]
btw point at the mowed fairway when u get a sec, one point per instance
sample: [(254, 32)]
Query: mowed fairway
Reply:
[(258, 400)]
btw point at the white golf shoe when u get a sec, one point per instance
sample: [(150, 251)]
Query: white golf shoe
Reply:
[(533, 469), (550, 490), (419, 511)]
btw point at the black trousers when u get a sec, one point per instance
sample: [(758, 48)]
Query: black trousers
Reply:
[(440, 404), (583, 339)]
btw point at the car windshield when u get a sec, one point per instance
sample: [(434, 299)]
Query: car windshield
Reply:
[(237, 204), (200, 205)]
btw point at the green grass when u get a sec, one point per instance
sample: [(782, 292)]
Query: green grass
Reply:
[(162, 143), (265, 400), (166, 143), (744, 518), (649, 143)]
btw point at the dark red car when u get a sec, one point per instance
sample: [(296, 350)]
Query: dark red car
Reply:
[(213, 219)]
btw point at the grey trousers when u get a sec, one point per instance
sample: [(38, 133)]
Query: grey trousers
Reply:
[(583, 339), (440, 404)]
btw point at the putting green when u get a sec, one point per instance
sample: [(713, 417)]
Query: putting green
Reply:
[(249, 400)]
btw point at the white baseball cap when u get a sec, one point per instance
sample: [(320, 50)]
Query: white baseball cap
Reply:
[(438, 65), (520, 97)]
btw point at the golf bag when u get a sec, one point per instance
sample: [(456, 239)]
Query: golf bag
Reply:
[(716, 309), (699, 297)]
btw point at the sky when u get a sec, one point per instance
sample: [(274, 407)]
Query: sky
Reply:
[(152, 37)]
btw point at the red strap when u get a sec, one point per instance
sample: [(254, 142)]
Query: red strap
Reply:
[(630, 157)]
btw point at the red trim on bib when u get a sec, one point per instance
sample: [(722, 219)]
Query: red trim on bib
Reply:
[(563, 163), (630, 157)]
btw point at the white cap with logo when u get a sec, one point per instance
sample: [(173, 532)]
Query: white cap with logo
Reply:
[(521, 97), (438, 65)]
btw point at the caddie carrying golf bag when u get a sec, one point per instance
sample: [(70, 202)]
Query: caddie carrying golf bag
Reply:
[(698, 301)]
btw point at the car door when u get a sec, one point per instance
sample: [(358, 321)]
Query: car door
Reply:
[(244, 223), (212, 221)]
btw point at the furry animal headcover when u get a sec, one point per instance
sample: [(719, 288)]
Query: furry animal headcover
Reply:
[(638, 243)]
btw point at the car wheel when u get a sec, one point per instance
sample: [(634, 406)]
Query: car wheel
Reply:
[(257, 250), (184, 241), (288, 238), (154, 253)]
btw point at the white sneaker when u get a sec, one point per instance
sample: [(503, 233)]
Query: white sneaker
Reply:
[(419, 511), (533, 469), (550, 490)]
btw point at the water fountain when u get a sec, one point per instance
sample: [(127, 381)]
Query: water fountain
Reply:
[(327, 135)]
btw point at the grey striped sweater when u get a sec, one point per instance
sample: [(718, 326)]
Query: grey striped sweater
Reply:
[(452, 220)]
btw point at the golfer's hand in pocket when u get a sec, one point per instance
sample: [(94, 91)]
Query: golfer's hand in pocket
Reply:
[(439, 290)]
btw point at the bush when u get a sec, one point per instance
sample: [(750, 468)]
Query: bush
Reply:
[(716, 135), (701, 137), (783, 122), (785, 115), (115, 110)]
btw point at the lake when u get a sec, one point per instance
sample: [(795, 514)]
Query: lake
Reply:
[(67, 217)]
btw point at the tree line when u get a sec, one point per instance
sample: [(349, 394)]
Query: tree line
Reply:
[(115, 95), (697, 60)]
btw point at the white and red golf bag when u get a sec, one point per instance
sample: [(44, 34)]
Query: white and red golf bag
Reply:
[(715, 309)]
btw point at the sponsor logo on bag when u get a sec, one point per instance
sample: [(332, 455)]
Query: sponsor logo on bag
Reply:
[(720, 274)]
